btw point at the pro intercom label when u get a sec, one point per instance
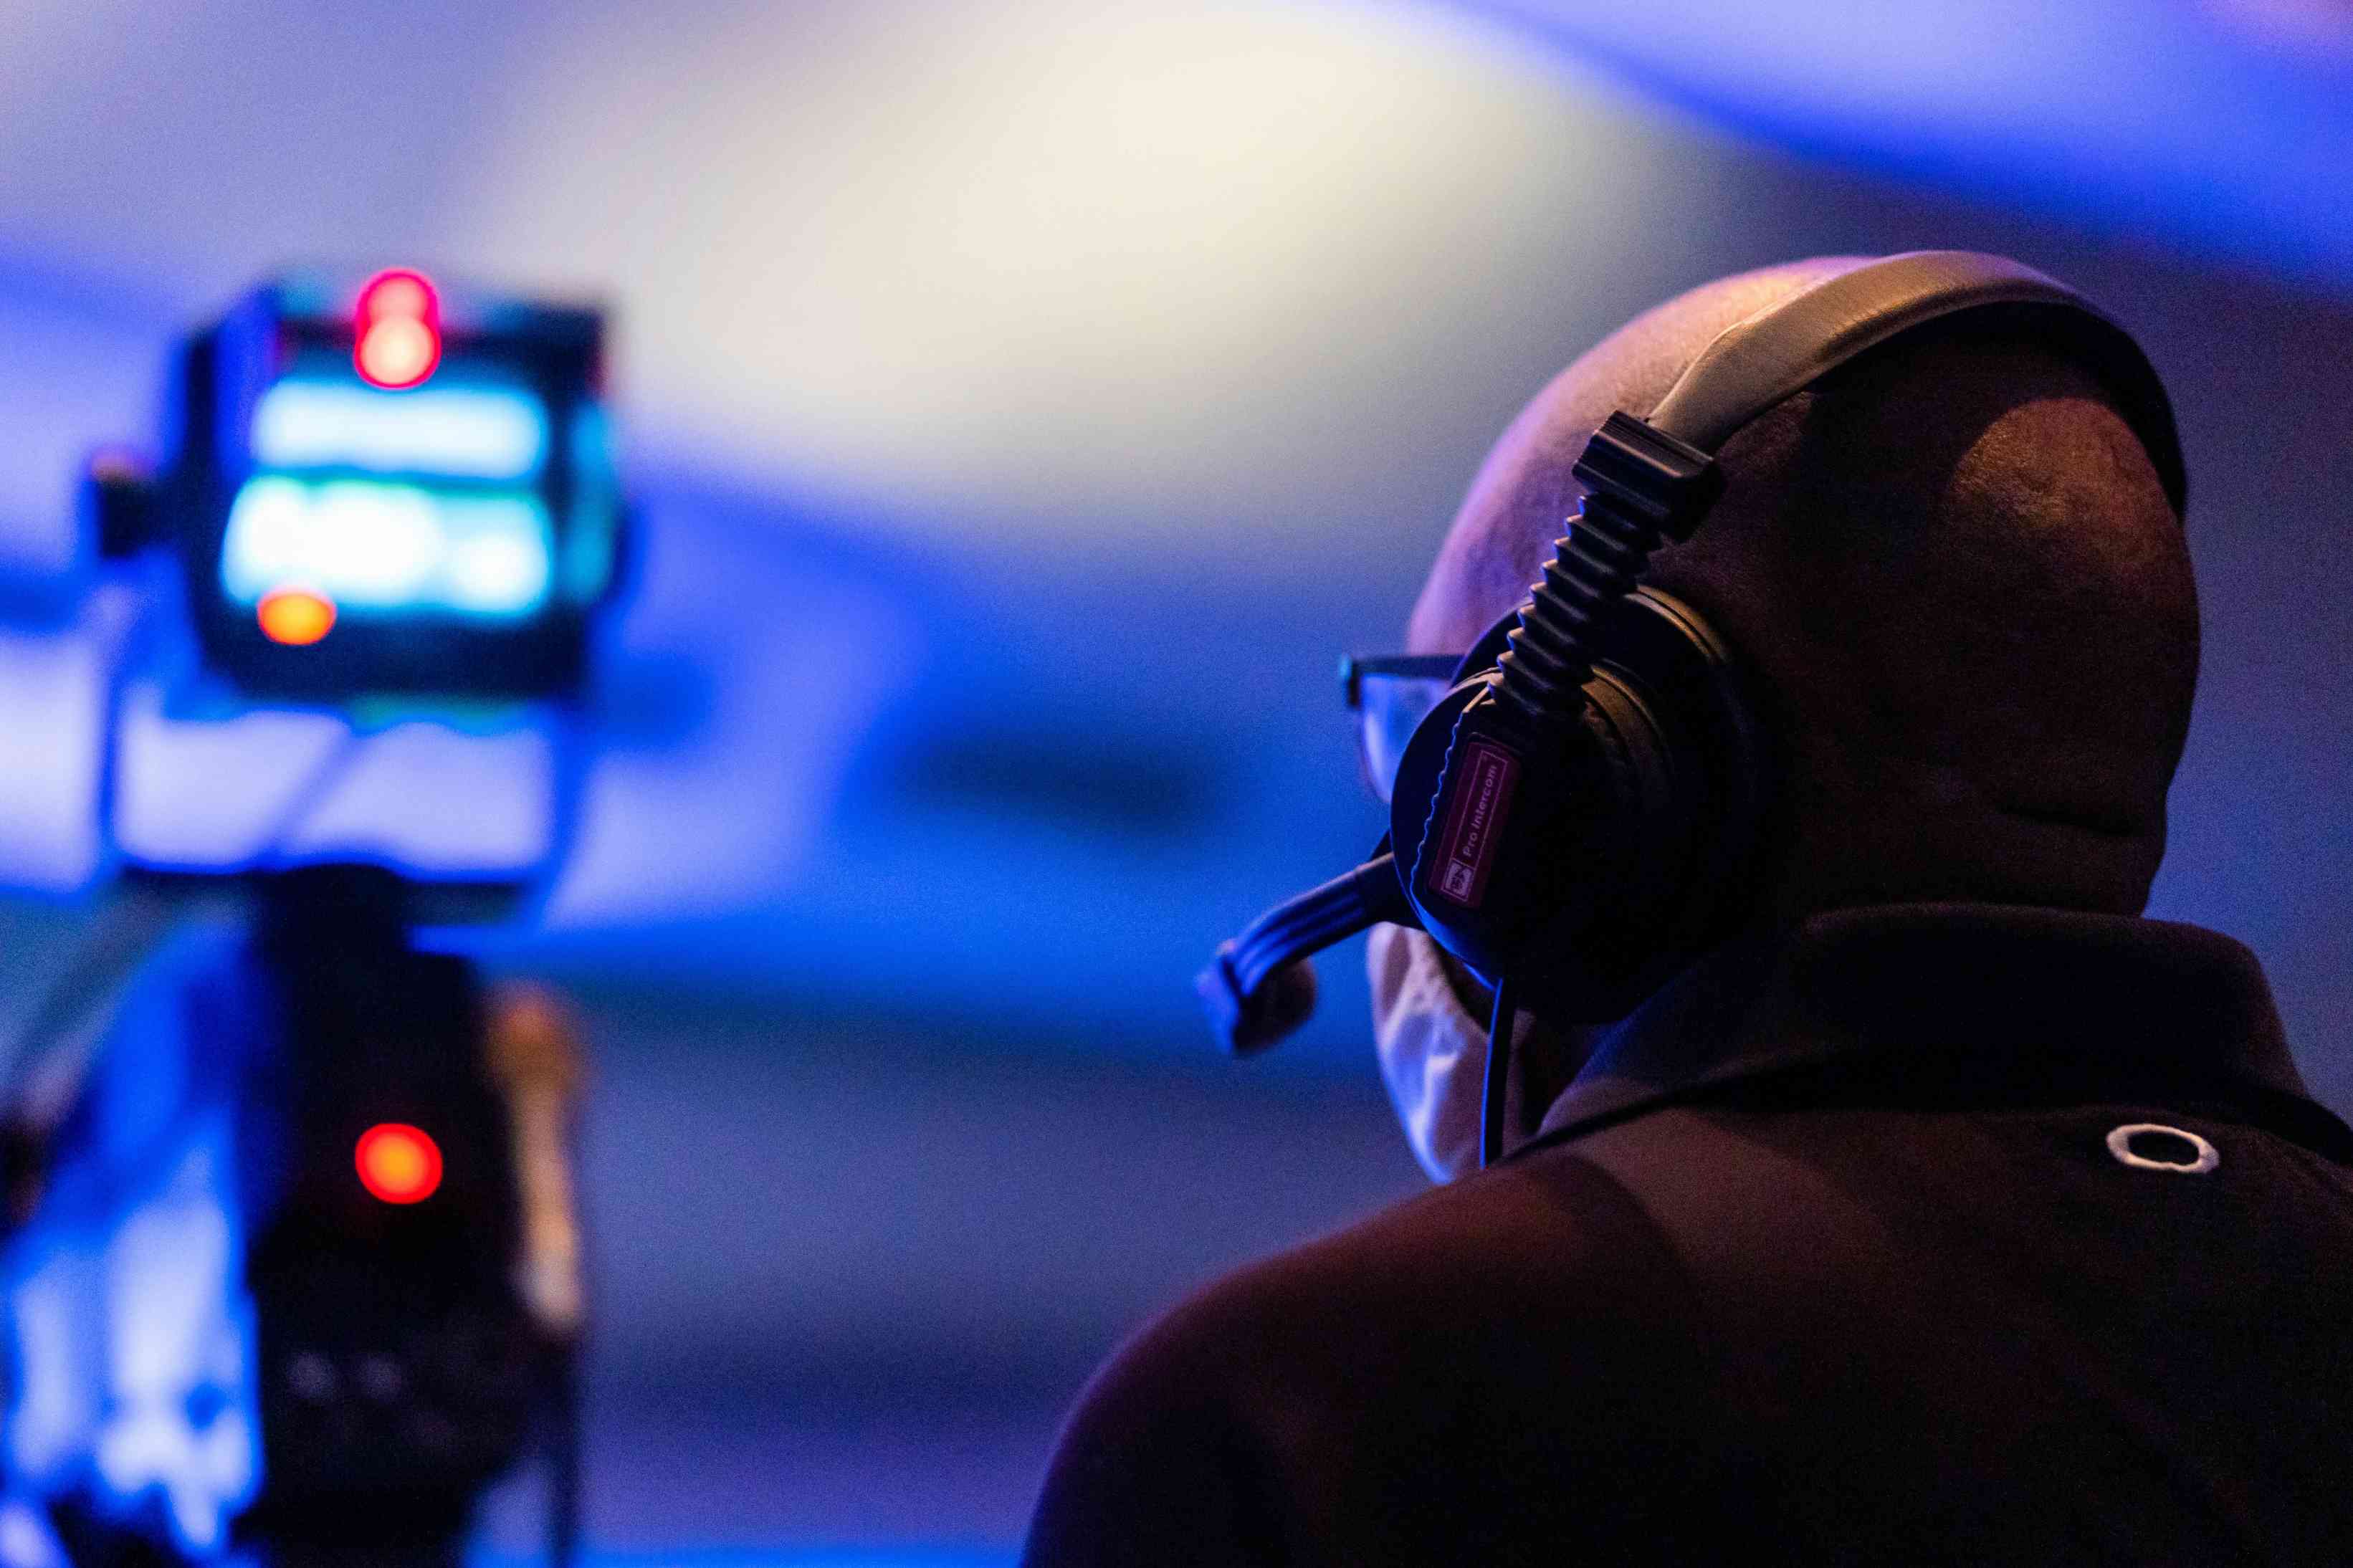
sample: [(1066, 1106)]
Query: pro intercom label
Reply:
[(1467, 853)]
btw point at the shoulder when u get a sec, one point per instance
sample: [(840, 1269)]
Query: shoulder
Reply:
[(1536, 1296), (1554, 1230), (1486, 1281)]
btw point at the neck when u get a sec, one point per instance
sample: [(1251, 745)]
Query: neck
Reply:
[(1968, 855), (1957, 984)]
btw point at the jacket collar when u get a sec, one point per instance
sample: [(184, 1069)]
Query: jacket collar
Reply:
[(1980, 998)]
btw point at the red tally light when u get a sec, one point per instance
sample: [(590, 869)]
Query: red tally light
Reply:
[(295, 617), (396, 294), (398, 352), (398, 1163), (398, 332)]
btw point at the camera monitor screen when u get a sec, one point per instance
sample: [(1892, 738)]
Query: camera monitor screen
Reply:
[(384, 489), (384, 505)]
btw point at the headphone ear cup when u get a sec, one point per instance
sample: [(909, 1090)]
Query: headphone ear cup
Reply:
[(1617, 843), (1558, 868), (1696, 782), (1642, 853)]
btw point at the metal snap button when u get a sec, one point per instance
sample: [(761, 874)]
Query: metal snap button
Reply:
[(2163, 1148)]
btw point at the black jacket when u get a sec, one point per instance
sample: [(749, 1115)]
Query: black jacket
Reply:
[(1828, 1255)]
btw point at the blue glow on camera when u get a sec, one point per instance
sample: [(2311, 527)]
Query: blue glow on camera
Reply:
[(375, 546), (461, 432), (131, 1335)]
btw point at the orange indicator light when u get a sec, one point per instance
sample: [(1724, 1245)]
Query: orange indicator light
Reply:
[(398, 1163), (295, 616)]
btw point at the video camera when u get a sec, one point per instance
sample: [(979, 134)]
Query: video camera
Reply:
[(291, 1267)]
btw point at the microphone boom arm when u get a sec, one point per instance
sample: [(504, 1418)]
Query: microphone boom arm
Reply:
[(1260, 988)]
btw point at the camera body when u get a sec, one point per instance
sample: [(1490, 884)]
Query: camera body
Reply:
[(291, 1267), (286, 1284)]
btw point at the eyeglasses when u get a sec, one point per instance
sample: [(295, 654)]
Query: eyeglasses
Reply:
[(1390, 694)]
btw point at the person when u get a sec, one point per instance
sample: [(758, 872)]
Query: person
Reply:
[(1947, 1211)]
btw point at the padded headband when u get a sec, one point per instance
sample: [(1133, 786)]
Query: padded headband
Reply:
[(1786, 348)]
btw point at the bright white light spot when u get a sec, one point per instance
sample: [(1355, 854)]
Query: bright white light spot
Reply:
[(367, 546), (171, 1273), (497, 571), (270, 523), (379, 541), (479, 433)]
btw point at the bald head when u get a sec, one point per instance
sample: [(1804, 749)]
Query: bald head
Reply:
[(1954, 572)]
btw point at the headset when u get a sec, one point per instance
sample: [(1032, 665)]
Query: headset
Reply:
[(1579, 817)]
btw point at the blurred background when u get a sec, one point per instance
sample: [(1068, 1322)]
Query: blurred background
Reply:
[(1026, 405)]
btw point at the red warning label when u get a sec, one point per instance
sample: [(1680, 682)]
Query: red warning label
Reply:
[(1467, 852)]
